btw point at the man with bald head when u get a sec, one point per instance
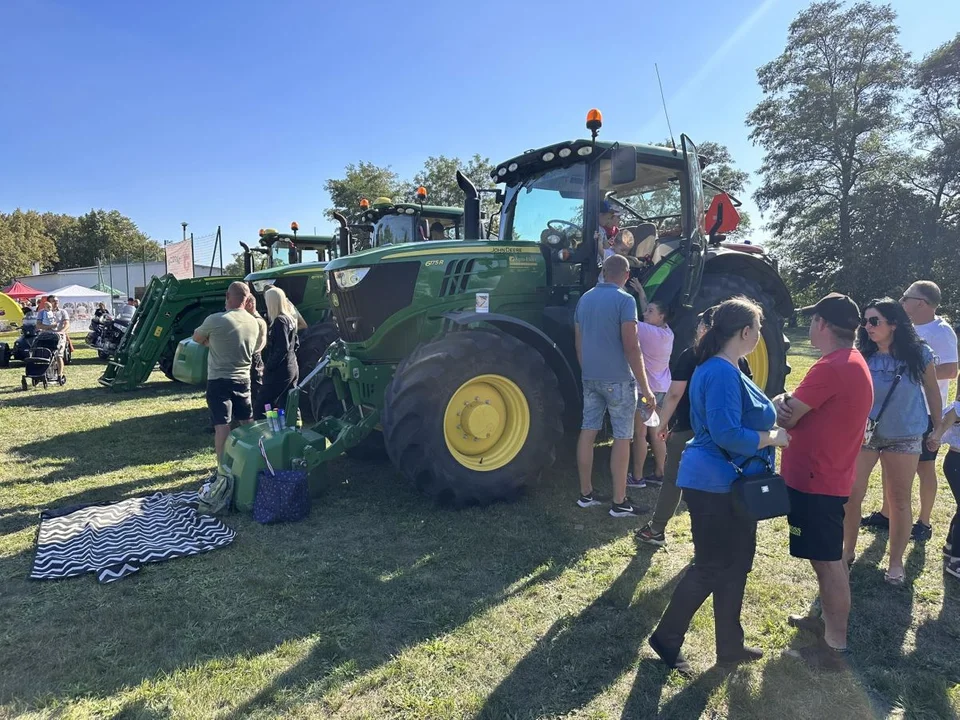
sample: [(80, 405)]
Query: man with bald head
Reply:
[(232, 337), (612, 370)]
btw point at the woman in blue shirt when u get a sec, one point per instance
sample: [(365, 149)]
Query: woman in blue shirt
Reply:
[(891, 347), (726, 411)]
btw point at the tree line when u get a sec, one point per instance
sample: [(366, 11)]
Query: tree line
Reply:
[(861, 166), (58, 242)]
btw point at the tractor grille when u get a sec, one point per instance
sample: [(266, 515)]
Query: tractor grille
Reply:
[(385, 290), (456, 277)]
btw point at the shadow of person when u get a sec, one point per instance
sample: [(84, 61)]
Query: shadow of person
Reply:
[(690, 702), (935, 643), (556, 677)]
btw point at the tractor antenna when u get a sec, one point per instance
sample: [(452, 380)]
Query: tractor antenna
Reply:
[(665, 113)]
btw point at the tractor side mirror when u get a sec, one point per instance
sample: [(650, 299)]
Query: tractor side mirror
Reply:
[(722, 217), (623, 165)]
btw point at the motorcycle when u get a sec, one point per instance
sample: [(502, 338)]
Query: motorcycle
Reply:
[(105, 335)]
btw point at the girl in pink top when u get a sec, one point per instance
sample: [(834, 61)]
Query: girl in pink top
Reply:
[(656, 344)]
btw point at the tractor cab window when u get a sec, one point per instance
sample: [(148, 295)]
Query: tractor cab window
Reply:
[(394, 230), (547, 208), (651, 209), (439, 228), (280, 254)]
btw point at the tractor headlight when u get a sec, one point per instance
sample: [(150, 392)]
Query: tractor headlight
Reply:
[(553, 239), (261, 285), (351, 276)]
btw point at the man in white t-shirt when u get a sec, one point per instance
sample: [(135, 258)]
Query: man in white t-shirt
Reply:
[(921, 301)]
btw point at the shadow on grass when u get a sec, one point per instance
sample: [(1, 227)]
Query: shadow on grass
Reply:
[(17, 517), (556, 677), (152, 439), (374, 569), (15, 397)]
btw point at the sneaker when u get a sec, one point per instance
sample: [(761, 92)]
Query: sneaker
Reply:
[(805, 622), (876, 520), (648, 536), (822, 657), (635, 482), (653, 479), (953, 567), (591, 500), (626, 509), (921, 532)]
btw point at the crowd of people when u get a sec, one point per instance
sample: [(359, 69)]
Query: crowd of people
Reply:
[(878, 393)]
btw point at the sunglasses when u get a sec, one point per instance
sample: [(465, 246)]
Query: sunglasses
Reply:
[(872, 321), (912, 297)]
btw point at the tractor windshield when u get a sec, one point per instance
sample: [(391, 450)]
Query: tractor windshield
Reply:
[(549, 200), (654, 197), (405, 228)]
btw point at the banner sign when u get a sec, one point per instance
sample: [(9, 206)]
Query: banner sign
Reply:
[(180, 260)]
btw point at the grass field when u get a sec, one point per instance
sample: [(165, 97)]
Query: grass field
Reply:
[(382, 606)]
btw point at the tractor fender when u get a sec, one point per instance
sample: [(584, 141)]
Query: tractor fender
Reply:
[(535, 338), (757, 269)]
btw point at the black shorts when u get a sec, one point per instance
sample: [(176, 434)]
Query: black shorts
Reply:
[(229, 400), (926, 455), (816, 526)]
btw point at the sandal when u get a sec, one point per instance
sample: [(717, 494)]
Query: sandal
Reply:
[(896, 581)]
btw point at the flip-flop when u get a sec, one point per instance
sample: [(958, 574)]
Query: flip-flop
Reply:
[(897, 581)]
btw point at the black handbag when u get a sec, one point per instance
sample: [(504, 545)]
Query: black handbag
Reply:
[(760, 496)]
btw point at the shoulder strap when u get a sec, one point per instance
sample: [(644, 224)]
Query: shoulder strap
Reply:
[(886, 400), (740, 468)]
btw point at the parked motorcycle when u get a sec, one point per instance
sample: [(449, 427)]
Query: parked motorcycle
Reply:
[(105, 335)]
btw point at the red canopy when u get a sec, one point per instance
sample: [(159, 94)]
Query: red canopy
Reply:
[(19, 291)]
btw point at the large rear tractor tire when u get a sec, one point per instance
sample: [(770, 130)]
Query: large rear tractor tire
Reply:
[(768, 362), (473, 417)]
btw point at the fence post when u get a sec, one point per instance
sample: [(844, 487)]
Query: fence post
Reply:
[(193, 259)]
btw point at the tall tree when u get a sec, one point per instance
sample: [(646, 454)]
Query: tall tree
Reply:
[(439, 177), (24, 240), (825, 123), (102, 235), (361, 180)]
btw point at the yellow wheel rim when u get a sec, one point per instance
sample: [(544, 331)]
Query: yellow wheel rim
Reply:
[(760, 364), (486, 422)]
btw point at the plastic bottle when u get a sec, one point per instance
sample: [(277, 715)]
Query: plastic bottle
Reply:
[(281, 419)]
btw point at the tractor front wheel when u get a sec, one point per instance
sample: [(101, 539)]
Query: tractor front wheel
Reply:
[(473, 417), (320, 394)]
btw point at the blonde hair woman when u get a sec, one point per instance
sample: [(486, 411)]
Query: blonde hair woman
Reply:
[(280, 372)]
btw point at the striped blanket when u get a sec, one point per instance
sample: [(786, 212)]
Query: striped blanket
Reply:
[(114, 540)]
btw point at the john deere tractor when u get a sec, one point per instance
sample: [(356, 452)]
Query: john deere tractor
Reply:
[(461, 353), (173, 308)]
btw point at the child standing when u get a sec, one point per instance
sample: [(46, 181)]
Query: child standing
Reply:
[(656, 344)]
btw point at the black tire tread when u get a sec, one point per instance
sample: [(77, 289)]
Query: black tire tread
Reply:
[(417, 396)]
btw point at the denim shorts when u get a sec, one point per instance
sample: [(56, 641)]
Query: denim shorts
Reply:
[(618, 399), (900, 446)]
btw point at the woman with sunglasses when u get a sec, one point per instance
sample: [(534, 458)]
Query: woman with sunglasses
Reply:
[(892, 349)]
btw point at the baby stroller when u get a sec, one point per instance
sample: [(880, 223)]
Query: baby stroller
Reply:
[(40, 363)]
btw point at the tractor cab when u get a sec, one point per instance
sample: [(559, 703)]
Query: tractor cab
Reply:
[(585, 199), (392, 223)]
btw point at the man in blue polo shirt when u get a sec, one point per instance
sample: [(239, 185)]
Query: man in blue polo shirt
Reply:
[(612, 370)]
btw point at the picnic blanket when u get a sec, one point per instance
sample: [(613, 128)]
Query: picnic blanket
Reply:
[(115, 540)]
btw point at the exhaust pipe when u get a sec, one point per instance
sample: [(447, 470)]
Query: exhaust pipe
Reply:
[(247, 259), (344, 234), (471, 207)]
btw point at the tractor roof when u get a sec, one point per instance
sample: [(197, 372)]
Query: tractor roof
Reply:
[(271, 236), (378, 210), (566, 153)]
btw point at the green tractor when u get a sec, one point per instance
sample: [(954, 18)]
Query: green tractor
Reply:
[(461, 353), (172, 309)]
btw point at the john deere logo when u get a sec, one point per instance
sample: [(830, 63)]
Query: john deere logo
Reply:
[(336, 300)]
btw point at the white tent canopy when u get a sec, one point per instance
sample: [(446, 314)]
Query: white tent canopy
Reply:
[(78, 294)]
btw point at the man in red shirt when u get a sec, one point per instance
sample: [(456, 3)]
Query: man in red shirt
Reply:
[(826, 416)]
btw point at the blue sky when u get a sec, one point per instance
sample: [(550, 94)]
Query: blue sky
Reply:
[(235, 113)]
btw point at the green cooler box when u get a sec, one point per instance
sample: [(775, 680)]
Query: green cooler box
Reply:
[(243, 458), (190, 362)]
